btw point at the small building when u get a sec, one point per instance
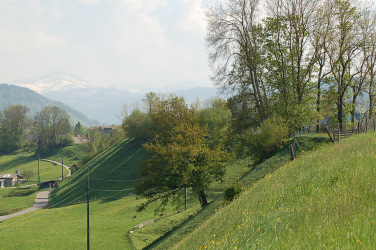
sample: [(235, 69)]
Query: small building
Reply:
[(9, 180), (106, 130), (48, 184)]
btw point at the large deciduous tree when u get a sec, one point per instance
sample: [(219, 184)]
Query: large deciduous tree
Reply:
[(51, 123), (235, 41), (13, 125), (179, 156), (342, 50)]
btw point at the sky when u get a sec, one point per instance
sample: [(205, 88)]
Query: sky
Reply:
[(106, 43)]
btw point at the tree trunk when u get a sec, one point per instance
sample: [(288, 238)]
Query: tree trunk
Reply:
[(353, 110), (202, 198), (371, 101), (340, 112), (318, 103)]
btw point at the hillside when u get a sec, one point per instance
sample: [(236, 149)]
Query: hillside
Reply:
[(115, 169), (324, 199), (12, 95)]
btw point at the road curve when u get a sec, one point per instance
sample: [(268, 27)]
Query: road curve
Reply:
[(41, 201), (59, 163)]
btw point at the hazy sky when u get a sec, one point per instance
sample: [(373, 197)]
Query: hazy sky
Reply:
[(105, 42)]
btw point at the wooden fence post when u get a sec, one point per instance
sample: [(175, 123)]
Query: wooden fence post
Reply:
[(358, 128), (292, 151), (339, 132)]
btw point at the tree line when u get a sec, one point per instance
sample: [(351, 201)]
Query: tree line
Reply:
[(49, 128), (298, 60)]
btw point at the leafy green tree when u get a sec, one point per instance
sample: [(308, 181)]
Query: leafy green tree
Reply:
[(50, 124), (342, 50), (14, 123), (179, 156), (137, 125), (217, 116), (28, 174), (236, 55)]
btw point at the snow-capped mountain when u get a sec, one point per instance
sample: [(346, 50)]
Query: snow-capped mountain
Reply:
[(98, 103), (52, 82)]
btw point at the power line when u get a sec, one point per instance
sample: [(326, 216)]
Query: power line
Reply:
[(92, 178), (107, 190)]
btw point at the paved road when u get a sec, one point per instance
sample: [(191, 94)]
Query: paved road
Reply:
[(59, 163), (41, 201)]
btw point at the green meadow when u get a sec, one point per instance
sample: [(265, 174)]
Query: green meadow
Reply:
[(17, 198), (324, 199), (48, 171)]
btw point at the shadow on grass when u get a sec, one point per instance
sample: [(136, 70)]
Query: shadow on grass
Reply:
[(113, 174), (14, 163), (187, 226)]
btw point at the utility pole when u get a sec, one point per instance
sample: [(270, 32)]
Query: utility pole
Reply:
[(62, 167), (88, 208), (38, 170)]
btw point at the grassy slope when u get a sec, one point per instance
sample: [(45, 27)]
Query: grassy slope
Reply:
[(114, 169), (111, 217), (113, 214), (249, 173), (72, 154), (326, 198)]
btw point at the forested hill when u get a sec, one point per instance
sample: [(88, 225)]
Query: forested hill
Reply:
[(12, 95)]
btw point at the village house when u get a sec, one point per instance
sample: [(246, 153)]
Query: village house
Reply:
[(9, 180), (105, 130)]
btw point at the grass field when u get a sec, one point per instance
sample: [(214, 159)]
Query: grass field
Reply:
[(19, 198), (113, 209), (65, 227), (324, 199), (113, 213), (48, 171), (72, 154)]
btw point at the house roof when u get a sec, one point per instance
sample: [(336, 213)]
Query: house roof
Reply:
[(107, 127), (10, 176)]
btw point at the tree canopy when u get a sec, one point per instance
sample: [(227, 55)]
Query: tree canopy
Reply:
[(50, 124), (179, 156)]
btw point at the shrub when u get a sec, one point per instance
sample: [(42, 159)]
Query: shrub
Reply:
[(262, 141), (273, 133), (21, 192), (233, 191)]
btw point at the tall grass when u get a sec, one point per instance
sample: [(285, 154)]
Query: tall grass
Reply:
[(324, 199)]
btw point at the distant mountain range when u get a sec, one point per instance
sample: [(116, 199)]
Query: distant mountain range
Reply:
[(12, 95), (98, 103)]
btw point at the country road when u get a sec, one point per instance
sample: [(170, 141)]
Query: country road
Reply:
[(41, 201), (59, 163)]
